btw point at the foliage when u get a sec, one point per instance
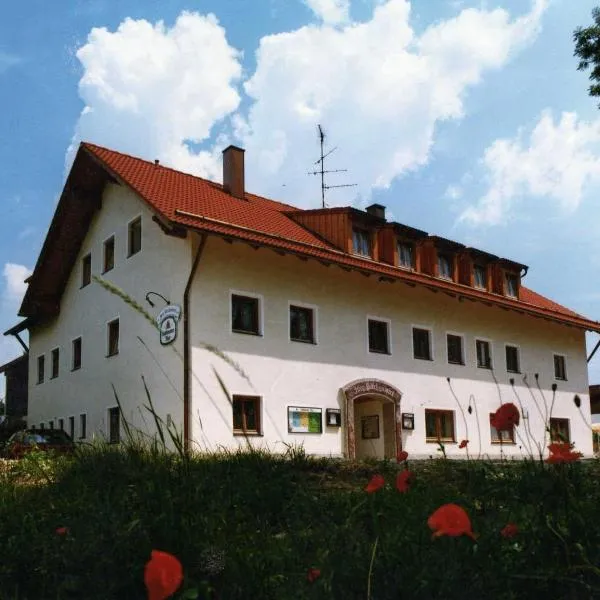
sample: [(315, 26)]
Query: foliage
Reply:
[(587, 49)]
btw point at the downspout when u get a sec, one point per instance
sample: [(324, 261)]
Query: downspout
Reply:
[(187, 391)]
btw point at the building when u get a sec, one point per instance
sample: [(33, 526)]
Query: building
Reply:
[(341, 331), (16, 372)]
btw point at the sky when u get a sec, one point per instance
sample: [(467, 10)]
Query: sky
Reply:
[(467, 119)]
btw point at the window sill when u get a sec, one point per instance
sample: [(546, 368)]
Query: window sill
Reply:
[(373, 351), (84, 285), (53, 377), (437, 441), (132, 254), (76, 369), (107, 270), (514, 372), (237, 432), (460, 363), (112, 354), (488, 367), (254, 333), (301, 341), (423, 358), (503, 443), (560, 379)]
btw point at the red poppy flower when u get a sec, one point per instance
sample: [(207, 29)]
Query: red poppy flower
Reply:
[(452, 520), (509, 531), (402, 455), (463, 444), (163, 575), (403, 481), (313, 575), (62, 530), (506, 417), (562, 452), (376, 483)]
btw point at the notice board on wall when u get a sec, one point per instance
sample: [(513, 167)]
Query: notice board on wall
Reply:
[(302, 419)]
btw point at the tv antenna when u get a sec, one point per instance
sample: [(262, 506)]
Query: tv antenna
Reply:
[(321, 171)]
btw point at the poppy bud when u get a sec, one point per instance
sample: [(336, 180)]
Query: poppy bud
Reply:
[(512, 381), (577, 400), (470, 409), (537, 376), (554, 386)]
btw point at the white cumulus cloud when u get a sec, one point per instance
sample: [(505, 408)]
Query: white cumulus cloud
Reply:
[(14, 282), (330, 11), (558, 161)]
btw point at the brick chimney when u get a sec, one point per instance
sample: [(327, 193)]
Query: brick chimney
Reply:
[(377, 210), (233, 171)]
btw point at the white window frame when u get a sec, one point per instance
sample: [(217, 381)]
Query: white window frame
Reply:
[(39, 381), (261, 313), (463, 348), (389, 331), (491, 345), (81, 283), (291, 303), (554, 370), (83, 437), (114, 238), (484, 286), (519, 357), (107, 338), (52, 377), (129, 223), (413, 252), (431, 342), (77, 337)]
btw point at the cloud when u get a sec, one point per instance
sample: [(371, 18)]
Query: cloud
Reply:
[(158, 91), (559, 161), (330, 11), (14, 282), (7, 61)]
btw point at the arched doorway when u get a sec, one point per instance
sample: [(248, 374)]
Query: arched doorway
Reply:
[(372, 419)]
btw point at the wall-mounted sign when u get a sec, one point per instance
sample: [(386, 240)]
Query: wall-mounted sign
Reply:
[(167, 323), (370, 427), (408, 421), (305, 420), (333, 417)]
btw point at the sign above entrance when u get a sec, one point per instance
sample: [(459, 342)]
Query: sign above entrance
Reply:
[(167, 323), (364, 387)]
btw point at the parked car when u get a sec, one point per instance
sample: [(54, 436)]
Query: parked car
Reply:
[(24, 441)]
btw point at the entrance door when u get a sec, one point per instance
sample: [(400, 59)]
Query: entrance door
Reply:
[(375, 428)]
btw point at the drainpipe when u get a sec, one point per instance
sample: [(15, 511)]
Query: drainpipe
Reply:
[(187, 408)]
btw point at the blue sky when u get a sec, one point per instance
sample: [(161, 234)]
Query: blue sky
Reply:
[(466, 119)]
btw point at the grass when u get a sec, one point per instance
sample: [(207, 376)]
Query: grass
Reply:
[(250, 525)]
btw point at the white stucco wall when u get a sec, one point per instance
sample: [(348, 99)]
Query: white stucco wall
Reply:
[(161, 266), (285, 373)]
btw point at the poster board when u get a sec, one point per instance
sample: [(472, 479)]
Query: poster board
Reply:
[(302, 419), (370, 427)]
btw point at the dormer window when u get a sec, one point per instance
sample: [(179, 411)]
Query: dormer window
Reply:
[(361, 242), (444, 267), (405, 255), (479, 277), (512, 285)]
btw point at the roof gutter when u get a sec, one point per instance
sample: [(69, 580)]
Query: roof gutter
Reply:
[(187, 388)]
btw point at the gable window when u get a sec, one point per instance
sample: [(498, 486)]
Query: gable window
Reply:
[(512, 285), (245, 314), (405, 255), (421, 343), (134, 237), (246, 414), (512, 359), (82, 426), (560, 367), (86, 270), (55, 356), (506, 436), (484, 354), (114, 425), (379, 336), (361, 242), (479, 277), (41, 361), (444, 267), (439, 425), (76, 350), (72, 427), (108, 260), (455, 349), (302, 324), (559, 430), (113, 337)]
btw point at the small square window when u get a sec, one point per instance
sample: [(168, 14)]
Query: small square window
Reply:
[(405, 255), (379, 336), (55, 357), (82, 426), (114, 425), (484, 354), (76, 348), (512, 359), (86, 270), (560, 367), (61, 424), (455, 349), (439, 425), (42, 426), (559, 430), (113, 338), (506, 436), (41, 361), (302, 324), (479, 277), (72, 427), (444, 267), (246, 414), (51, 424), (108, 260), (134, 237), (512, 285), (421, 343), (245, 314), (361, 242)]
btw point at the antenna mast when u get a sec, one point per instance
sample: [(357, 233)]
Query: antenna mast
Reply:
[(322, 170)]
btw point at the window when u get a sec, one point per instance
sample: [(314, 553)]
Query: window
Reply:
[(506, 436), (559, 430), (61, 424), (512, 359), (86, 270), (40, 368), (479, 276), (244, 314), (560, 367), (405, 255), (55, 362), (444, 267), (113, 338), (302, 324), (512, 285), (72, 427), (51, 424), (76, 351), (108, 260), (379, 336), (421, 343), (484, 356), (439, 425), (42, 426), (134, 237), (82, 426), (361, 242), (246, 414), (455, 349), (114, 425)]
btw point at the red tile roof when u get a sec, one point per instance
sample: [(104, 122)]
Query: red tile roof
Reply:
[(203, 205)]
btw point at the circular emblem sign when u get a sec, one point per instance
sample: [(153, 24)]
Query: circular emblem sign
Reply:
[(167, 323)]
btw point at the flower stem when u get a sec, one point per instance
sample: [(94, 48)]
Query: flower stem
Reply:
[(371, 568)]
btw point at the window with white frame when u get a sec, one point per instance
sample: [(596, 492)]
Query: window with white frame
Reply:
[(454, 344), (421, 343), (245, 314), (405, 255), (513, 363), (302, 324), (361, 242), (379, 336), (479, 277), (560, 367), (444, 266), (484, 354)]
